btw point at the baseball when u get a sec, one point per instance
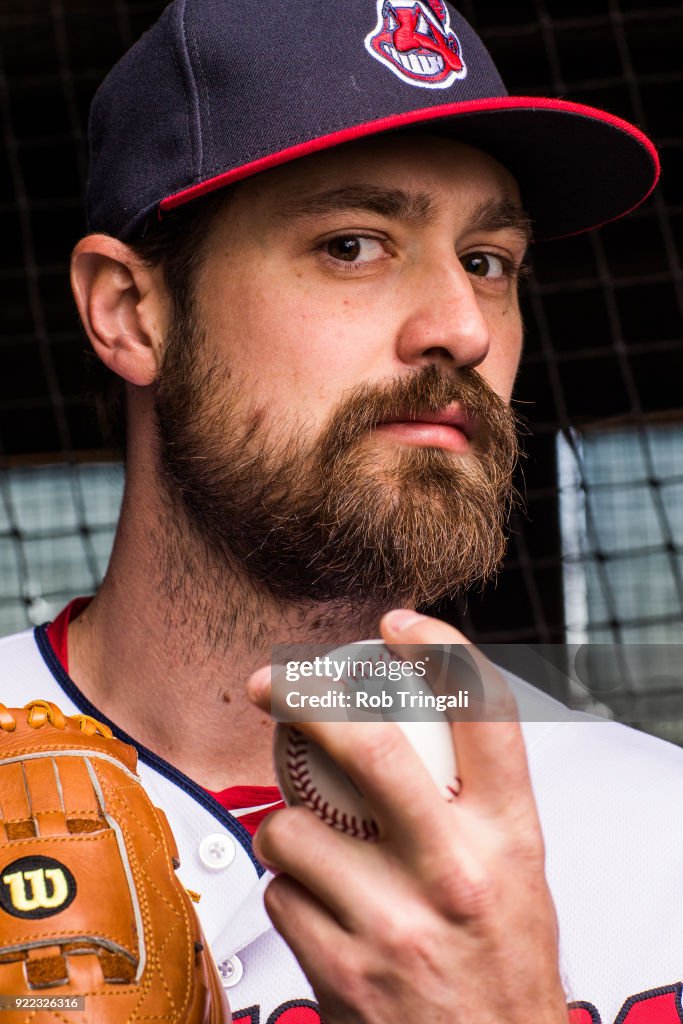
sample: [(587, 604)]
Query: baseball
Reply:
[(309, 777)]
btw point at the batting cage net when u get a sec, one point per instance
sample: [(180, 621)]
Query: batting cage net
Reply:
[(597, 555)]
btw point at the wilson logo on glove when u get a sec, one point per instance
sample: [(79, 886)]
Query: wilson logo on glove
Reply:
[(36, 887)]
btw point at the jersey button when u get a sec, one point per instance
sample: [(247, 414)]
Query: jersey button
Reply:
[(216, 851), (230, 971)]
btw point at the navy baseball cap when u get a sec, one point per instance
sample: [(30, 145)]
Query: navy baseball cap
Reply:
[(219, 90)]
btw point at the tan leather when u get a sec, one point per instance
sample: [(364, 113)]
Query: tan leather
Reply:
[(89, 900)]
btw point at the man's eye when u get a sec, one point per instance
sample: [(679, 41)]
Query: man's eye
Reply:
[(354, 249), (485, 264)]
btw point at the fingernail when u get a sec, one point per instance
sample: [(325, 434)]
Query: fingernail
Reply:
[(401, 618), (258, 682)]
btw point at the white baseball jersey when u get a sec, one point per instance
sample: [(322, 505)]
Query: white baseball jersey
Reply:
[(610, 805)]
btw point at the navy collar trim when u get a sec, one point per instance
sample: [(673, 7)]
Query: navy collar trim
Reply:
[(149, 757)]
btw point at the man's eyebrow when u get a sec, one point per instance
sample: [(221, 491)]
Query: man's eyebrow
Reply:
[(495, 214), (418, 207), (500, 214)]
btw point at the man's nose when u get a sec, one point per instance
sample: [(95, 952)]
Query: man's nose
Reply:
[(444, 319)]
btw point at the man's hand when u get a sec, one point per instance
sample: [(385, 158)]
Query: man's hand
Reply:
[(447, 918)]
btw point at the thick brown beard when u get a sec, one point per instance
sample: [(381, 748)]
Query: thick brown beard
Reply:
[(343, 518)]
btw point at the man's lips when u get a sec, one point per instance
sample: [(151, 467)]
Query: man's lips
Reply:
[(451, 428)]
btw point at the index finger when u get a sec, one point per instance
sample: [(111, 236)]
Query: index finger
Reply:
[(489, 748)]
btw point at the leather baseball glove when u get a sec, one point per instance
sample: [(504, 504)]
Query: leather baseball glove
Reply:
[(90, 904)]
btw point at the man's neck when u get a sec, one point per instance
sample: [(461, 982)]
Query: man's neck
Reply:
[(168, 643)]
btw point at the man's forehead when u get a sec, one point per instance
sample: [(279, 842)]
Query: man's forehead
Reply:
[(410, 176)]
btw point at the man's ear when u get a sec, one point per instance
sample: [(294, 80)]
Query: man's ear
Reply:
[(121, 304)]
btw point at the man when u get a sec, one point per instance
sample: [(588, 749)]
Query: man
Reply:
[(319, 341)]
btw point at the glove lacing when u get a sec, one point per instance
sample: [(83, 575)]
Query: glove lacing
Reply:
[(42, 711)]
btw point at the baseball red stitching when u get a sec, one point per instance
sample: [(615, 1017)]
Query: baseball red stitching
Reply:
[(454, 790), (310, 796)]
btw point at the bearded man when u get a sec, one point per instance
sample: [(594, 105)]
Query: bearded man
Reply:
[(309, 223)]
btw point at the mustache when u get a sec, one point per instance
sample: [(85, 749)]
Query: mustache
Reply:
[(429, 390)]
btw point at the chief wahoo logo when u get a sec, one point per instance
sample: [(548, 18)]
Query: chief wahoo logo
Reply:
[(415, 40)]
